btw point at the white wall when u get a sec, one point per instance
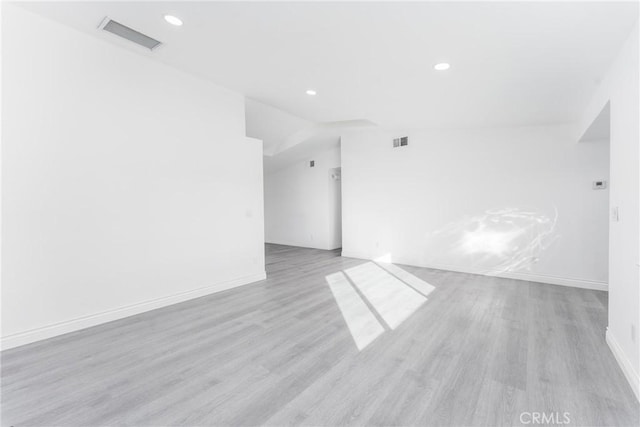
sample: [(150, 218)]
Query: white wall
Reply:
[(302, 205), (271, 125), (621, 88), (126, 184), (514, 202)]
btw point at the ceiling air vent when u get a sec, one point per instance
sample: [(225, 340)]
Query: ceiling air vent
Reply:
[(130, 34)]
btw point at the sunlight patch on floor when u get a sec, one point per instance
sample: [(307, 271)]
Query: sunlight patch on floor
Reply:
[(362, 323), (415, 282), (392, 298), (370, 295)]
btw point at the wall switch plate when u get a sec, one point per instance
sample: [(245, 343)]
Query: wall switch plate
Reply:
[(615, 214), (599, 185)]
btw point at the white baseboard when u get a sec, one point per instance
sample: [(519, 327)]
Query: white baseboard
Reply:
[(540, 278), (49, 331), (302, 245), (627, 369)]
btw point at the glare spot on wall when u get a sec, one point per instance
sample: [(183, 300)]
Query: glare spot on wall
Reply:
[(499, 240)]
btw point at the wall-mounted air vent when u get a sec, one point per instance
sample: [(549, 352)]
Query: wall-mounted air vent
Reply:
[(130, 34), (400, 142)]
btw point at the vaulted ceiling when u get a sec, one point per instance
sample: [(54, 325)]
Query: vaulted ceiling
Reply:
[(518, 63), (511, 63)]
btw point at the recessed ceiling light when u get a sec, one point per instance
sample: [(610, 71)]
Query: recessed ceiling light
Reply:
[(173, 20), (311, 92), (442, 66)]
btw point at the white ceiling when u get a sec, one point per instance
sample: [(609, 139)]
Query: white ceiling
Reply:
[(512, 64), (271, 125), (600, 128), (301, 152), (288, 139)]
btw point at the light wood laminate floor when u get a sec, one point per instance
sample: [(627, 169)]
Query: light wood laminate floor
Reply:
[(327, 340)]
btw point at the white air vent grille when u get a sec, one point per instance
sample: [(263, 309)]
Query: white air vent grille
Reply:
[(130, 34), (400, 142)]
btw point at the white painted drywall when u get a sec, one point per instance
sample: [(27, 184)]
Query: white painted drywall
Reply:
[(516, 202), (302, 203), (126, 184), (621, 88), (272, 125), (512, 62)]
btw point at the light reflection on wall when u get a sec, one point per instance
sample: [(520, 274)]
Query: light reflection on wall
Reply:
[(499, 240)]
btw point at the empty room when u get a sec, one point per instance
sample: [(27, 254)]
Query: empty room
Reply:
[(320, 213)]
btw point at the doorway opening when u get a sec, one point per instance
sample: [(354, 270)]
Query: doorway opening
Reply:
[(303, 196), (335, 207)]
